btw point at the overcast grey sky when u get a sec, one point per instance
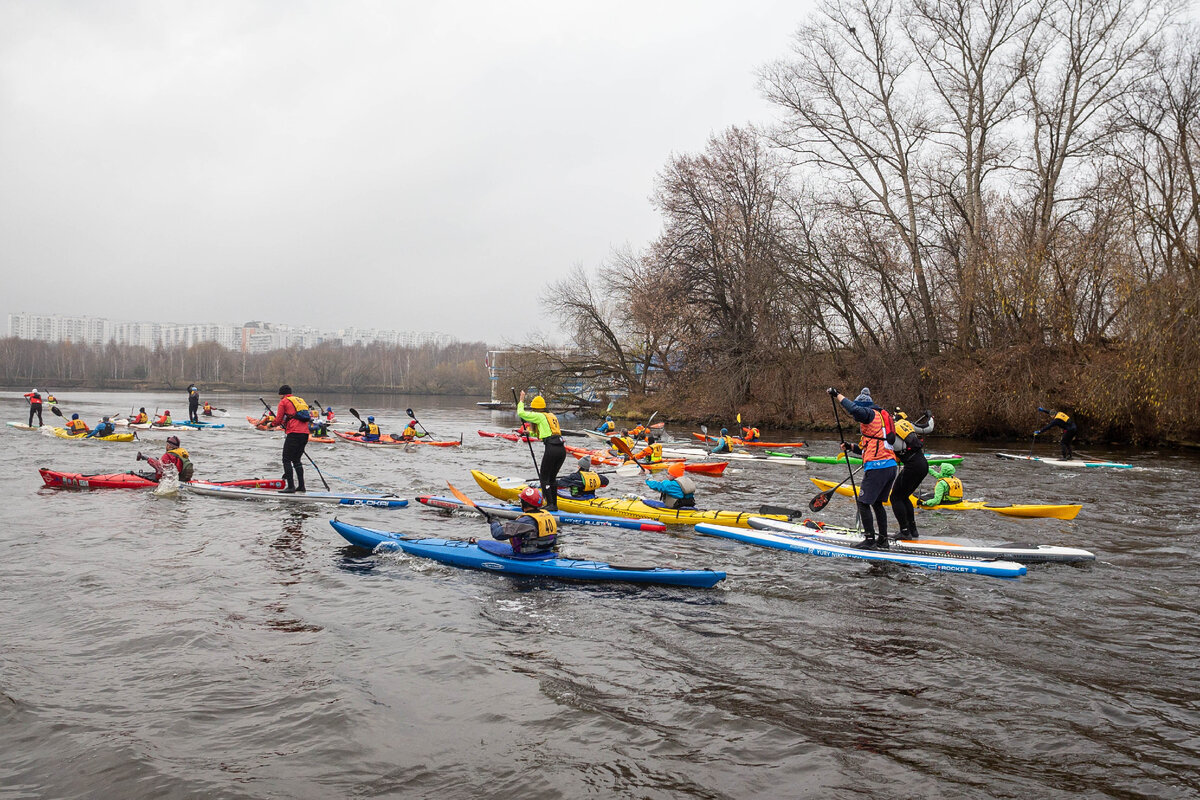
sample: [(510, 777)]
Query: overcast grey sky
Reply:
[(345, 163)]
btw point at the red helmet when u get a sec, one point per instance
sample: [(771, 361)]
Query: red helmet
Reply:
[(172, 441), (531, 496)]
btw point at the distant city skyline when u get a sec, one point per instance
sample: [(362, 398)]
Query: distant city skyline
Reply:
[(255, 336)]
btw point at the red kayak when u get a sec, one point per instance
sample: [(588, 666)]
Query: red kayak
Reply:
[(512, 437), (257, 423), (744, 443), (132, 480), (388, 440), (601, 457)]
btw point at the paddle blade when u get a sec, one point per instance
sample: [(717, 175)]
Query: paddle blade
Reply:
[(739, 418), (354, 413), (628, 470), (409, 412), (620, 445), (56, 411), (512, 483), (820, 501)]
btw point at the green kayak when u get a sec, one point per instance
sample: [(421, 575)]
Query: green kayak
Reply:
[(932, 459)]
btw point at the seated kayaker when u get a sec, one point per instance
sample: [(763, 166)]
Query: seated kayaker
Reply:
[(104, 427), (678, 491), (583, 482), (175, 457), (1060, 419), (164, 420), (751, 435), (535, 531), (369, 430), (629, 442), (208, 409), (608, 426), (722, 443), (76, 425), (141, 419), (318, 427), (51, 399), (947, 491), (329, 414), (267, 420), (652, 452), (639, 432), (410, 432)]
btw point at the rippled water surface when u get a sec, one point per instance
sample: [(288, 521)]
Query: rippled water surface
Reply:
[(180, 646)]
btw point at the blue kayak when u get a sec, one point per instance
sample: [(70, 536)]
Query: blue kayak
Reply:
[(190, 424), (512, 512), (472, 556), (815, 547)]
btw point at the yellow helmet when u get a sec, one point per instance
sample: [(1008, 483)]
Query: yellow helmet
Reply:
[(538, 403)]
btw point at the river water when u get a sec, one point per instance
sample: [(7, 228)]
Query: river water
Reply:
[(181, 646)]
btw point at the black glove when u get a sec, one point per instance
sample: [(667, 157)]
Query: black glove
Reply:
[(832, 391), (141, 456)]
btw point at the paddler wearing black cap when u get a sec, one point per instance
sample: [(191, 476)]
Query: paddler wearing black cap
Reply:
[(293, 414), (554, 453), (583, 482)]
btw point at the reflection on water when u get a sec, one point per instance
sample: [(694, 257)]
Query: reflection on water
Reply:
[(189, 646)]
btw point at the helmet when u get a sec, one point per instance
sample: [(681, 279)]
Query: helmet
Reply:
[(370, 419), (168, 413), (74, 416), (329, 408), (947, 470), (531, 496), (675, 470), (724, 431), (585, 463), (172, 441), (608, 419), (142, 409), (538, 402), (106, 419)]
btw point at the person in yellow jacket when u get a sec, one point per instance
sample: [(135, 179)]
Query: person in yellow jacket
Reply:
[(554, 452)]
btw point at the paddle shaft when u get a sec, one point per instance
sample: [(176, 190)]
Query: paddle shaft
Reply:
[(409, 411), (528, 440), (838, 419)]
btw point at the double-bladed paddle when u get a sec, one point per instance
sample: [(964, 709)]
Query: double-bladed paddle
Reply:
[(409, 411), (624, 471), (462, 498)]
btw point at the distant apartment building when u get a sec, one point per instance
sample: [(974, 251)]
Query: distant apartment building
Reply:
[(251, 337)]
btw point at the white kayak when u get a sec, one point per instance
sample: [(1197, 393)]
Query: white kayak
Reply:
[(1058, 462), (1018, 552), (333, 498), (818, 547), (696, 453), (150, 426)]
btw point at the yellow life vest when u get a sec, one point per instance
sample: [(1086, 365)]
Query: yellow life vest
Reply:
[(372, 429), (955, 487), (904, 428), (547, 525), (591, 481), (552, 421), (1061, 417), (655, 453), (141, 419), (77, 426), (409, 432), (187, 469), (300, 406)]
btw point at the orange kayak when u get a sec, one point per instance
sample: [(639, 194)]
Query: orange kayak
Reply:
[(744, 443), (601, 457), (257, 424), (388, 440)]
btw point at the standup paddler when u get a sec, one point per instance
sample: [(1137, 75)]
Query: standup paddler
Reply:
[(910, 451), (535, 531), (193, 403), (35, 406), (554, 453), (879, 464), (1060, 419), (293, 415)]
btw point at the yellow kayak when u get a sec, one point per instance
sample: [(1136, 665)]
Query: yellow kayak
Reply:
[(614, 507), (1007, 509), (112, 437)]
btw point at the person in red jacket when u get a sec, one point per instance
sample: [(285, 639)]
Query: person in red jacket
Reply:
[(293, 415), (175, 456), (35, 407)]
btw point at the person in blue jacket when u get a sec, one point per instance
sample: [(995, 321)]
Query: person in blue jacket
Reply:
[(678, 491), (608, 426), (103, 428), (723, 443)]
